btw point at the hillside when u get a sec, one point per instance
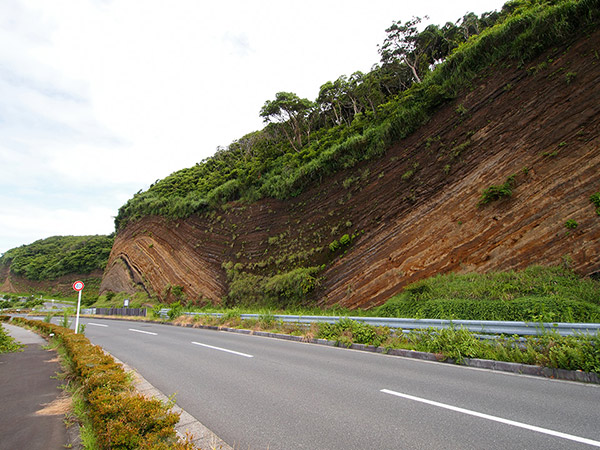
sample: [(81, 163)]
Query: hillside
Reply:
[(524, 131), (51, 265)]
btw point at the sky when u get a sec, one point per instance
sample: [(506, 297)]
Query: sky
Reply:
[(101, 98)]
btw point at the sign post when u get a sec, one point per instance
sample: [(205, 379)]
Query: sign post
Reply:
[(78, 286)]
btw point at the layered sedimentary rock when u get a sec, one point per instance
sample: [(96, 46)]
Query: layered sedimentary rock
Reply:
[(417, 211)]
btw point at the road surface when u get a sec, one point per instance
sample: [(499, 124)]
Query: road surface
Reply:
[(262, 393)]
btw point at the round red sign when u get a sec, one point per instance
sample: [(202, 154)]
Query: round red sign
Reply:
[(78, 285)]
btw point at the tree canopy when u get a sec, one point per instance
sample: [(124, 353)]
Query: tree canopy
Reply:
[(48, 259), (356, 117)]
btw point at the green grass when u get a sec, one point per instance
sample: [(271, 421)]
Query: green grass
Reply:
[(534, 294)]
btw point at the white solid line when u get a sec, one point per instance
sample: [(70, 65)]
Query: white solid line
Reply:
[(223, 349), (145, 332), (97, 324), (496, 419)]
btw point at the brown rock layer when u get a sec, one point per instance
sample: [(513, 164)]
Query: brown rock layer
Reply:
[(414, 212)]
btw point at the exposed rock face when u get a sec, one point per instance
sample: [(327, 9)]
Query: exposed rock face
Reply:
[(415, 212)]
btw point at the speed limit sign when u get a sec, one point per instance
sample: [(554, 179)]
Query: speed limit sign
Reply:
[(78, 285)]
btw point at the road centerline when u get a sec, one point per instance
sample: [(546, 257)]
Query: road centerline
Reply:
[(513, 423), (97, 324), (223, 349), (142, 331)]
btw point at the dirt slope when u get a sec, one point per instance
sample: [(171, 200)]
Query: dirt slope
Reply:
[(414, 213)]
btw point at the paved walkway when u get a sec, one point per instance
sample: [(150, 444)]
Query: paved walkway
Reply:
[(32, 407)]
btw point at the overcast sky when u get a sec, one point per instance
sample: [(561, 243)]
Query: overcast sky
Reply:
[(100, 98)]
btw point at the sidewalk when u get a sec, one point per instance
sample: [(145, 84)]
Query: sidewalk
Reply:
[(32, 407)]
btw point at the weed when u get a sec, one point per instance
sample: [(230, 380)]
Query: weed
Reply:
[(570, 76), (497, 192), (407, 175), (571, 224), (65, 320), (595, 199)]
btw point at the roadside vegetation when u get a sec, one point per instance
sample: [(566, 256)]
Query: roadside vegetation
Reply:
[(7, 343), (114, 416), (580, 352), (547, 294), (16, 301)]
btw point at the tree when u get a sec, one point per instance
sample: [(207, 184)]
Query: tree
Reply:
[(402, 44), (292, 112)]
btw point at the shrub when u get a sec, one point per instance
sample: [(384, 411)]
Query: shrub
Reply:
[(496, 192), (346, 331), (571, 224), (285, 289), (120, 418), (176, 309), (7, 343)]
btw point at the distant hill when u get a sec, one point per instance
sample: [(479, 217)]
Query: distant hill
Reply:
[(471, 147), (52, 264)]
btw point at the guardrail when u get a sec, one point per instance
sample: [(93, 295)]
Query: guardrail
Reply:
[(115, 311), (475, 326)]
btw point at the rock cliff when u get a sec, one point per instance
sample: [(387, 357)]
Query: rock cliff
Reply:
[(417, 211)]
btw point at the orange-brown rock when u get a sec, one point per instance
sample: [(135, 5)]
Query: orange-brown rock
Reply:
[(415, 212)]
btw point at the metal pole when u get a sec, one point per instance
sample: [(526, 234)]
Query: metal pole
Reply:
[(77, 318)]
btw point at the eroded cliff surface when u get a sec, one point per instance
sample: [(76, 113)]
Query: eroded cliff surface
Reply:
[(415, 212)]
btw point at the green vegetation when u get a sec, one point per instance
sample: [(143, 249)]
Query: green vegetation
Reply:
[(552, 294), (580, 352), (595, 199), (496, 192), (51, 258), (17, 302), (571, 224), (119, 418), (283, 290), (357, 117), (7, 343)]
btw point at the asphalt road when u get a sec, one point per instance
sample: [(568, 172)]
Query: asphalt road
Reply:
[(261, 393)]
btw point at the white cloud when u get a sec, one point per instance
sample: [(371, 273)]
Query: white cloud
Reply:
[(101, 98)]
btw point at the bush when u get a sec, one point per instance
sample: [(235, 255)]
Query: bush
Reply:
[(7, 343), (120, 418), (347, 331), (494, 193), (286, 289)]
